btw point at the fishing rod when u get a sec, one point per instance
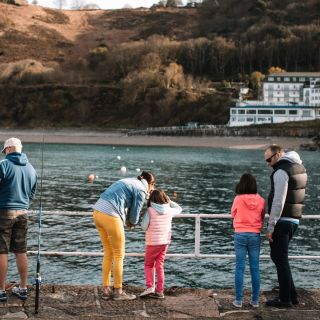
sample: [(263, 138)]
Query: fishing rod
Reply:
[(38, 276)]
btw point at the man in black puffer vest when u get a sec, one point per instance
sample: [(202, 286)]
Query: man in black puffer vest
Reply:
[(285, 205)]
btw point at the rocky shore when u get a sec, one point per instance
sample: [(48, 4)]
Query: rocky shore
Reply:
[(85, 302)]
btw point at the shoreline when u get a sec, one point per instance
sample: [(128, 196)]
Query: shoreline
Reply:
[(78, 136), (59, 301)]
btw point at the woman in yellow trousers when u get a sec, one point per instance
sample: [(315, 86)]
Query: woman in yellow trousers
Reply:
[(119, 204)]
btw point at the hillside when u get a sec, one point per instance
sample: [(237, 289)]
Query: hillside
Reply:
[(66, 36), (149, 67)]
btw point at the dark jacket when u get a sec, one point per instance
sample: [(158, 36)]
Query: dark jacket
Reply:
[(296, 187)]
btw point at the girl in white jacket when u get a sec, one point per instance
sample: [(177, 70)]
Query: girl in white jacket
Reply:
[(157, 224)]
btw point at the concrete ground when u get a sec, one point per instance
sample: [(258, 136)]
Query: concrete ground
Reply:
[(84, 302)]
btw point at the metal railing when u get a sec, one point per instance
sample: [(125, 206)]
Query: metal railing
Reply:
[(197, 242)]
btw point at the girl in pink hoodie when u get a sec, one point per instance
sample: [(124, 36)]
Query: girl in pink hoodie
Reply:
[(157, 224), (248, 212)]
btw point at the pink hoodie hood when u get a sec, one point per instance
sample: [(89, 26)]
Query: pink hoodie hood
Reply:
[(250, 200), (248, 212)]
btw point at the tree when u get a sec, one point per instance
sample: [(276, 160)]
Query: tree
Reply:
[(60, 3), (256, 79), (170, 3), (173, 3), (173, 75), (78, 4), (275, 70), (91, 6)]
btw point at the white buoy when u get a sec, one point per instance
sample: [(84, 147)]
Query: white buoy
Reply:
[(113, 148), (151, 161), (138, 170), (118, 157), (123, 170)]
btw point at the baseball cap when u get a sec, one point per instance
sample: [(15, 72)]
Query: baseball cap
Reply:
[(11, 142)]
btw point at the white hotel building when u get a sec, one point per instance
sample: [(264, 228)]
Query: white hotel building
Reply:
[(287, 96)]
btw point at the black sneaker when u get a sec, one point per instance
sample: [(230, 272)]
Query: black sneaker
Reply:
[(156, 295), (22, 294), (3, 296), (277, 303)]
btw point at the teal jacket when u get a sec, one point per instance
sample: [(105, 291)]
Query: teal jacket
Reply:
[(18, 181)]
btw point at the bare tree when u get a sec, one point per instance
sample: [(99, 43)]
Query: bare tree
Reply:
[(60, 3), (78, 4), (169, 3), (91, 6), (173, 3)]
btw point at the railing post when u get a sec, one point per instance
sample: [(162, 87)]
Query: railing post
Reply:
[(197, 236)]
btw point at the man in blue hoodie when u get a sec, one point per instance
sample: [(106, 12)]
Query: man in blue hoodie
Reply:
[(18, 182)]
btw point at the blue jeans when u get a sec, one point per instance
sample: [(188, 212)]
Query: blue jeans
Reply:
[(247, 242)]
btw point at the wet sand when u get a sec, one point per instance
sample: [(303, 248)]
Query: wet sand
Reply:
[(76, 136)]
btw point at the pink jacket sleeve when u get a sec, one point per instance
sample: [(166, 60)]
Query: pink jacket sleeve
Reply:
[(234, 207)]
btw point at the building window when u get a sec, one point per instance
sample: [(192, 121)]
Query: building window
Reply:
[(233, 111), (250, 119), (265, 112), (286, 79), (241, 111), (271, 78), (292, 112), (279, 111), (306, 113), (251, 111)]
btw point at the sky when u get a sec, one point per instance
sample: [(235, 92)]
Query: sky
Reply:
[(104, 4)]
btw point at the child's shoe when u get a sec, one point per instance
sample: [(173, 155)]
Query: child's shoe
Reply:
[(123, 296), (22, 294), (156, 295), (147, 292), (254, 304), (107, 295), (237, 304), (3, 296)]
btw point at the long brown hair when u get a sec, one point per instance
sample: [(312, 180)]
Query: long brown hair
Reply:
[(247, 184), (158, 196)]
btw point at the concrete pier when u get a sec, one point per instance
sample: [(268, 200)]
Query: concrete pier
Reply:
[(85, 302)]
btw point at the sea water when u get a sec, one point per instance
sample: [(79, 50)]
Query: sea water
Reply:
[(201, 180)]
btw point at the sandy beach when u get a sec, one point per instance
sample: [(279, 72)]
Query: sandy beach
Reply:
[(77, 136)]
